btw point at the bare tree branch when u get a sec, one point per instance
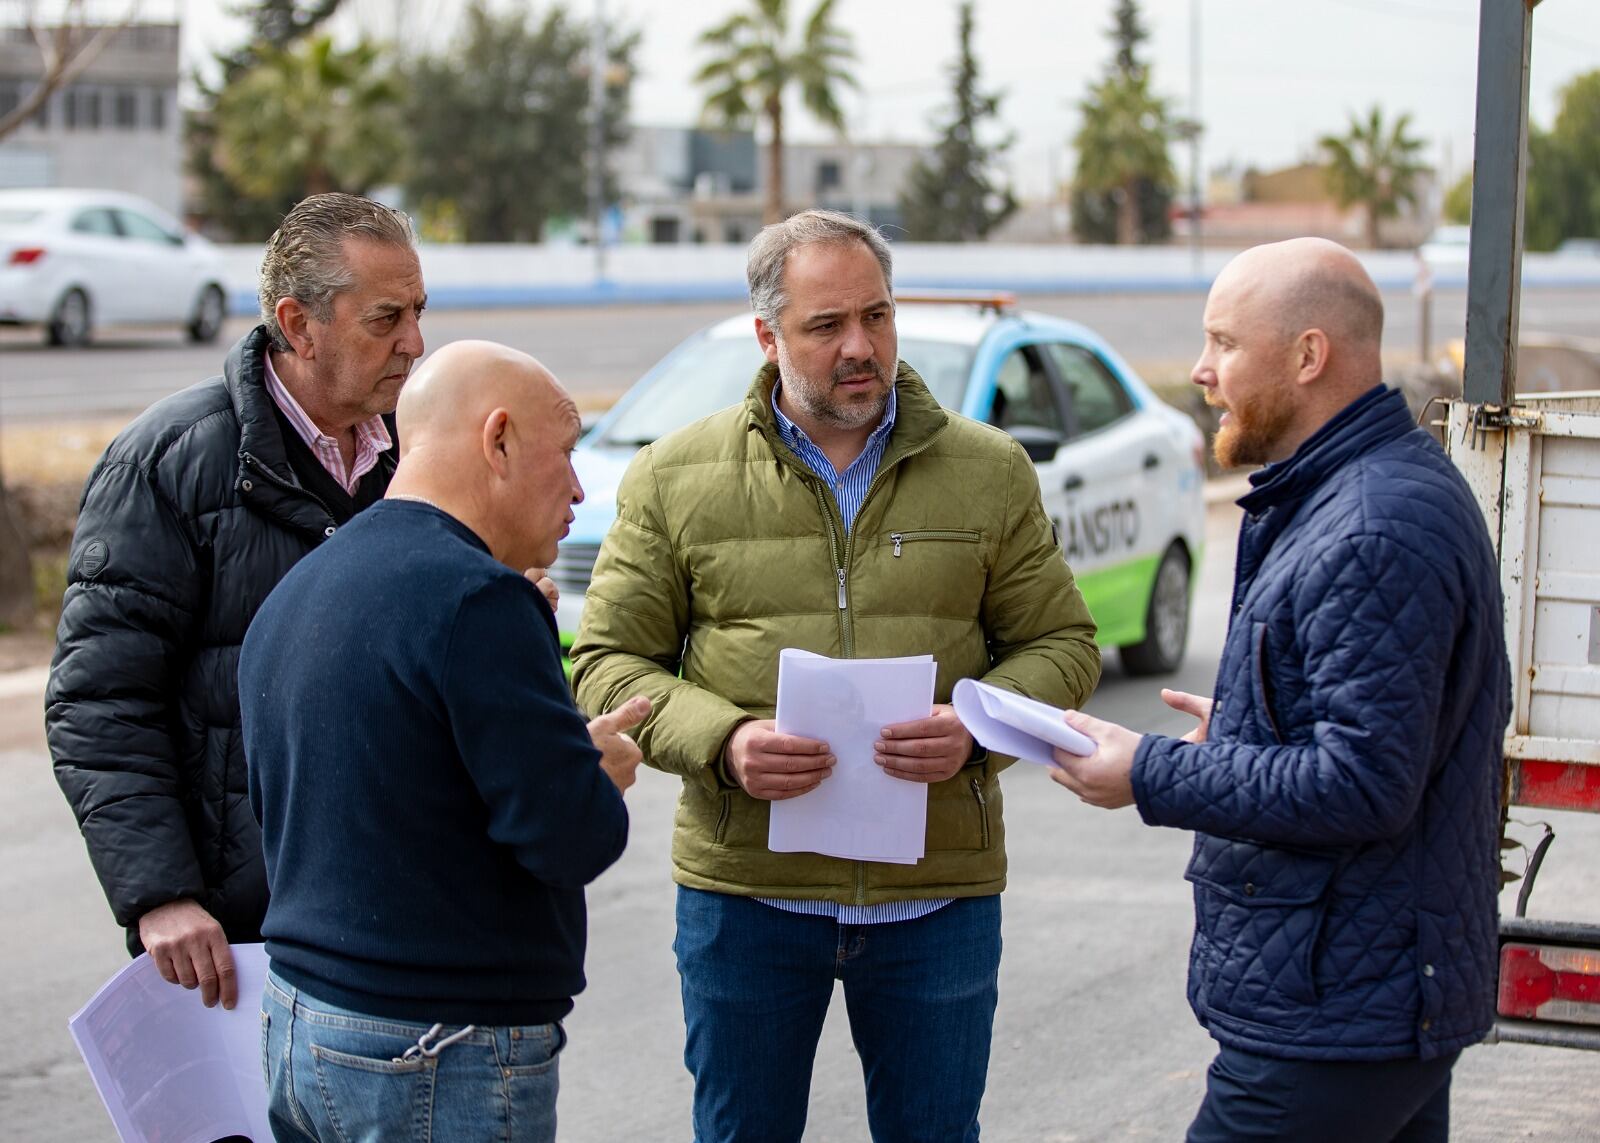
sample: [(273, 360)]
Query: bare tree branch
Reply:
[(64, 56)]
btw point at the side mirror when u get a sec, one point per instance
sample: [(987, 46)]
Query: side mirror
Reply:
[(1041, 444)]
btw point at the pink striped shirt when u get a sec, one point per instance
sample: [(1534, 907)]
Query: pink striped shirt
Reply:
[(372, 436)]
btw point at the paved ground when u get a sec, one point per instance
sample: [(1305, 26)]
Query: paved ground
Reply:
[(1093, 1040)]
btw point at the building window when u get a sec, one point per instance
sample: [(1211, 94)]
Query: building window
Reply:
[(828, 176), (127, 107), (10, 98), (82, 106), (158, 110)]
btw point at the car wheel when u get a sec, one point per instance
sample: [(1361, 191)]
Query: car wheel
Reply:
[(209, 313), (70, 324), (1166, 620)]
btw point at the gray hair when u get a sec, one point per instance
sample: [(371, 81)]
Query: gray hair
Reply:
[(305, 257), (769, 254)]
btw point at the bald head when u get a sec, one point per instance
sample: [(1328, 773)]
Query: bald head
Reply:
[(1309, 283), (1294, 333), (486, 436), (459, 385)]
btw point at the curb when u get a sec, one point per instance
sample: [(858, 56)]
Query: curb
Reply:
[(23, 683), (1227, 488)]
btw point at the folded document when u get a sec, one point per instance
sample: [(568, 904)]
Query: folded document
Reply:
[(1007, 723)]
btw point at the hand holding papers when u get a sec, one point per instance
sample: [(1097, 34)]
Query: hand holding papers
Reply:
[(1010, 724), (169, 1068), (860, 812)]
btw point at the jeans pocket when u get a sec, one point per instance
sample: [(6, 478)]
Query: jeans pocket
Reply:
[(374, 1097), (532, 1080)]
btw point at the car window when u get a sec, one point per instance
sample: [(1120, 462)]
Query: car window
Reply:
[(139, 227), (1022, 394), (97, 221), (715, 372), (1098, 398)]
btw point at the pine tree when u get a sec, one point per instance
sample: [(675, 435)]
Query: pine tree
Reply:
[(1125, 180), (954, 198)]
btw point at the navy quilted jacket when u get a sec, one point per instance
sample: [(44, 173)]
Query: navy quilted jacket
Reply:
[(1346, 805)]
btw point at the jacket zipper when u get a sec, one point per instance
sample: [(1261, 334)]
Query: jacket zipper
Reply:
[(935, 534), (840, 567), (983, 810), (271, 477)]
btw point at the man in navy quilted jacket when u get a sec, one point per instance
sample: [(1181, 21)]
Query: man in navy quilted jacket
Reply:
[(1343, 783)]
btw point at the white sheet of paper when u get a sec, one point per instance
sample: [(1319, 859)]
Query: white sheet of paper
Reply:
[(170, 1069), (1007, 723), (858, 812)]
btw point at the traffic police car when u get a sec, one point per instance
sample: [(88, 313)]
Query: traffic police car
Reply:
[(1121, 472)]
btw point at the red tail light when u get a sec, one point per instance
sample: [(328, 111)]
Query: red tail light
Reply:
[(1549, 982), (26, 255)]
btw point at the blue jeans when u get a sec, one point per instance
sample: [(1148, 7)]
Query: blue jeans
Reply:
[(332, 1075), (1258, 1099), (756, 985)]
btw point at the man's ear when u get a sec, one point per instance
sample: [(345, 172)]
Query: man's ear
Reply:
[(1311, 353), (768, 337), (496, 442), (295, 322)]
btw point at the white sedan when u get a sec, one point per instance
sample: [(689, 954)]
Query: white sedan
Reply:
[(74, 259)]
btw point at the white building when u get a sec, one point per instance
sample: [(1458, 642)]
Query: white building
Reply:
[(116, 126)]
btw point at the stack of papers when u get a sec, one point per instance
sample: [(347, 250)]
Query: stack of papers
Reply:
[(171, 1070), (859, 812), (1007, 723)]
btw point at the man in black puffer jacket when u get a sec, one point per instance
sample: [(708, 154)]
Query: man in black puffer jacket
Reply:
[(188, 521)]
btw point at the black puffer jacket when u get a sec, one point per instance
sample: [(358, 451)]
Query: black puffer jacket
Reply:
[(189, 519)]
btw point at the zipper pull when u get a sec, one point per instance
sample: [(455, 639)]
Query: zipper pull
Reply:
[(896, 537), (841, 589)]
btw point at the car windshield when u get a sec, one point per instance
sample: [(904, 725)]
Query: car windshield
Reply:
[(714, 373)]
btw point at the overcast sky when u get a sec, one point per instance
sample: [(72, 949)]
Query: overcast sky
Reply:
[(1274, 74)]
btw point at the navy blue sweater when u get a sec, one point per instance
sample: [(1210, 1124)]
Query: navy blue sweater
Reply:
[(430, 803)]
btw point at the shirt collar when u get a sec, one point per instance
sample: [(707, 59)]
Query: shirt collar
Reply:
[(793, 434), (373, 430)]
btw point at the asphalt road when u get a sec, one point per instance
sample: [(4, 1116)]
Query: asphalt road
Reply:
[(599, 351), (1093, 1040)]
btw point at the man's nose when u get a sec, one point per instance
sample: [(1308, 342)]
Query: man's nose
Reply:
[(857, 345), (1202, 373), (410, 340), (577, 486)]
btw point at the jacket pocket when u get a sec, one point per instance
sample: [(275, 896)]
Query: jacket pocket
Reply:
[(899, 540), (983, 810), (724, 812), (1259, 913), (1261, 670)]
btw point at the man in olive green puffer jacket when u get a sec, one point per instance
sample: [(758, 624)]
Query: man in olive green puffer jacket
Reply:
[(842, 511)]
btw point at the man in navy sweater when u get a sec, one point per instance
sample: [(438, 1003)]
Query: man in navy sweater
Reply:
[(431, 801), (1343, 784)]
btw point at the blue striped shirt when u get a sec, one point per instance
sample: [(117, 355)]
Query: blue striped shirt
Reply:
[(849, 490)]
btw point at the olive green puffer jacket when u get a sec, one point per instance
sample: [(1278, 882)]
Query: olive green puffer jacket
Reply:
[(727, 548)]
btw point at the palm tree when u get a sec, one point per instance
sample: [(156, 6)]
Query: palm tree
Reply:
[(1374, 164), (755, 64), (1123, 142), (309, 119)]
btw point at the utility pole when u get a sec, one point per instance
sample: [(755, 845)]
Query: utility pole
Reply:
[(598, 61)]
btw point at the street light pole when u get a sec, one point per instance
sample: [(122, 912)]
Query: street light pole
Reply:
[(1196, 253), (597, 137)]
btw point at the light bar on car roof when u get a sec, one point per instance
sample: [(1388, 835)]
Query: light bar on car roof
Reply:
[(995, 300)]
